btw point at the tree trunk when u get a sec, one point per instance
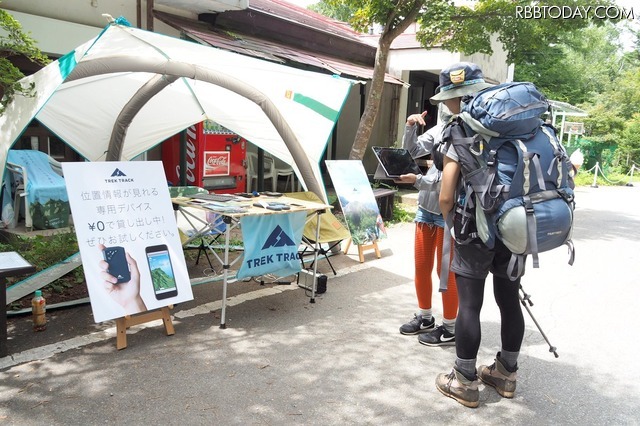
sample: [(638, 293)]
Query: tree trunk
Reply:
[(368, 119), (396, 23)]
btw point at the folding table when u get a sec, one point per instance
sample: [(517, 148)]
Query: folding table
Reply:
[(231, 213)]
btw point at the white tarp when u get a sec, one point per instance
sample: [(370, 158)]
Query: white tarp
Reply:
[(289, 113)]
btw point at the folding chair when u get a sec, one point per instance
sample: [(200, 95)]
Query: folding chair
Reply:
[(203, 230), (332, 232), (35, 175)]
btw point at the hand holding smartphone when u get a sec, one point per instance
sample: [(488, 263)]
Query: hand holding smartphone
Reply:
[(121, 278)]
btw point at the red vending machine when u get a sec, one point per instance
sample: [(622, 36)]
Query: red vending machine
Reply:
[(206, 155)]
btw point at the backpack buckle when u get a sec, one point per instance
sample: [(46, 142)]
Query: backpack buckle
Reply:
[(491, 158), (528, 206)]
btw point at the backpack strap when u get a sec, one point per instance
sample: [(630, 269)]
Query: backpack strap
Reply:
[(531, 229), (530, 160), (446, 253), (572, 251), (561, 159), (517, 260)]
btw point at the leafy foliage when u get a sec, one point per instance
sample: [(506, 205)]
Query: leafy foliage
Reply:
[(456, 28), (45, 251), (341, 12), (14, 42), (468, 30), (576, 69)]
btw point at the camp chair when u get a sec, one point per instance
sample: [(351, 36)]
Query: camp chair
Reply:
[(198, 230), (34, 176), (331, 233), (269, 171)]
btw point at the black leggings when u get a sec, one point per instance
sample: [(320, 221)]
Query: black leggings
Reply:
[(470, 298)]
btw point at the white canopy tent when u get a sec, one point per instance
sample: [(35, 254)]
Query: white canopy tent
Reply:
[(127, 90)]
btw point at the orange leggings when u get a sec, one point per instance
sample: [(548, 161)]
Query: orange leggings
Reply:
[(428, 245)]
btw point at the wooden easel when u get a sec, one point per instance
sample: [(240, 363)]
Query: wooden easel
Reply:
[(362, 248), (129, 321)]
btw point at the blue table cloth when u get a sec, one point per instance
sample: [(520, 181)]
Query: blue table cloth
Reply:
[(47, 198)]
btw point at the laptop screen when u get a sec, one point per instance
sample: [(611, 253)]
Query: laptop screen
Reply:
[(396, 161)]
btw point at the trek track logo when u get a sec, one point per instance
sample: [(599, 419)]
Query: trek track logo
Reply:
[(118, 176), (276, 250), (278, 238)]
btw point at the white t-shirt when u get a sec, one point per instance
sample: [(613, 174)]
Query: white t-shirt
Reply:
[(452, 154)]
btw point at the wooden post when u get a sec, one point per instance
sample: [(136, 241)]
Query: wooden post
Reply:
[(128, 321)]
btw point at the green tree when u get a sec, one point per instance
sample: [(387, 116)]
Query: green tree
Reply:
[(629, 147), (14, 43), (454, 28), (395, 17), (578, 68), (341, 12)]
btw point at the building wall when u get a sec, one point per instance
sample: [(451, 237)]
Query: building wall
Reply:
[(432, 61), (494, 66), (89, 12), (384, 131), (61, 25)]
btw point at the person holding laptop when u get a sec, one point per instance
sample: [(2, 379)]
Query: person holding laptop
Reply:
[(429, 236)]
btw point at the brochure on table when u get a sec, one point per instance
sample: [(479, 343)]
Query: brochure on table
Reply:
[(126, 228)]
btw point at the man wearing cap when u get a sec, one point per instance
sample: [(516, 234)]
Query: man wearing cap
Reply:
[(471, 264)]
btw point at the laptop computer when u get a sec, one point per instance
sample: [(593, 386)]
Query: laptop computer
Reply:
[(394, 162)]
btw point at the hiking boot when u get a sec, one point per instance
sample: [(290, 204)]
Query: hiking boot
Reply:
[(456, 386), (497, 376), (418, 325), (438, 337)]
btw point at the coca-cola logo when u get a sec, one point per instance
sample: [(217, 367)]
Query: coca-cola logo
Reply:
[(216, 163)]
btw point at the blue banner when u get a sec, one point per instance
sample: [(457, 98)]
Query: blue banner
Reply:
[(271, 244)]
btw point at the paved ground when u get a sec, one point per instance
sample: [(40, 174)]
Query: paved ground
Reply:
[(341, 360)]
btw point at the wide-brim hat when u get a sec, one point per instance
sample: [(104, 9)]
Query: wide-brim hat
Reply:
[(458, 80)]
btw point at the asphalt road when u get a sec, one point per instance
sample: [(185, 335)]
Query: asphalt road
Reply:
[(341, 360)]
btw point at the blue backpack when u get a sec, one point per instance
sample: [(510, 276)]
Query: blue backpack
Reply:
[(516, 174)]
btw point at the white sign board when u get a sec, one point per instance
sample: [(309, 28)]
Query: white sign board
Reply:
[(573, 128), (127, 234)]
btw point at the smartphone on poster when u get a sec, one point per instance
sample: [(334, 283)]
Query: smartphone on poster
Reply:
[(162, 276), (118, 265)]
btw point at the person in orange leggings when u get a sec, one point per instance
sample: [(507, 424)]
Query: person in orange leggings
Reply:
[(429, 235)]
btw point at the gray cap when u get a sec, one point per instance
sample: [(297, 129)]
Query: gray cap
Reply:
[(458, 80)]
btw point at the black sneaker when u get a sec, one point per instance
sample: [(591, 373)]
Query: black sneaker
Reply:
[(438, 337), (418, 325)]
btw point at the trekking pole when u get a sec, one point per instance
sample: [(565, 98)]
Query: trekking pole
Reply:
[(526, 298)]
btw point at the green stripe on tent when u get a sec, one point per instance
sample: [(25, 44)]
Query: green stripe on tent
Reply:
[(67, 63), (325, 111)]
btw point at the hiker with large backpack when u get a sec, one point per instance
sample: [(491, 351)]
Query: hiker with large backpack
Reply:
[(499, 196)]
